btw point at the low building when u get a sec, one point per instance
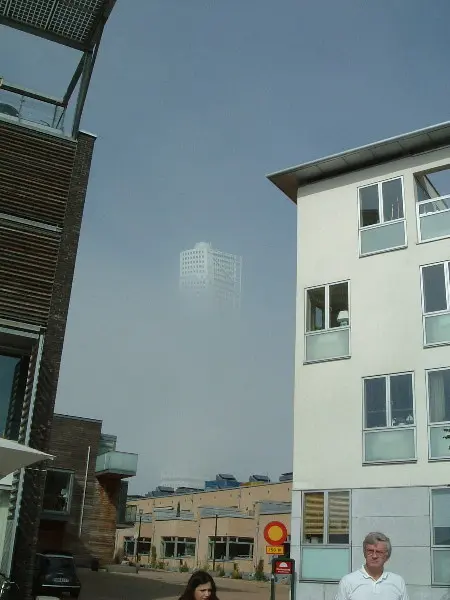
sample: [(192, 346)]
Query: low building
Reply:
[(221, 526), (85, 490)]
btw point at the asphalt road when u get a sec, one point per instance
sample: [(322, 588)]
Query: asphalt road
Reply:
[(160, 585)]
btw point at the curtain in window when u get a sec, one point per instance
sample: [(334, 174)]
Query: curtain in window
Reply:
[(436, 391)]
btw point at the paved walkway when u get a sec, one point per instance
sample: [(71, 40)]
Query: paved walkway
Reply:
[(155, 585)]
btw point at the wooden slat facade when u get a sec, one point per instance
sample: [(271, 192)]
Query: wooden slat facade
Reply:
[(43, 182)]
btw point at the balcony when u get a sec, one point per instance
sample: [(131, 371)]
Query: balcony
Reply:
[(433, 218), (116, 464)]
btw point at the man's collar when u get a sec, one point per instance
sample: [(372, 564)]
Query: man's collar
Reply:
[(367, 576)]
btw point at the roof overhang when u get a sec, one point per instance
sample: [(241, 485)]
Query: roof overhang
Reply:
[(408, 144), (74, 23)]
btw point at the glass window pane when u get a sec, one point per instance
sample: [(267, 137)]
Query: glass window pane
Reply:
[(339, 316), (369, 205), (434, 288), (439, 445), (439, 395), (385, 237), (389, 445), (329, 564), (392, 200), (327, 345), (440, 504), (338, 517), (313, 517), (437, 329), (12, 389), (375, 402), (401, 400), (441, 567), (57, 491), (315, 317)]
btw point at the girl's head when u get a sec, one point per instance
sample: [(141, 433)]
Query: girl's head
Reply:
[(200, 586)]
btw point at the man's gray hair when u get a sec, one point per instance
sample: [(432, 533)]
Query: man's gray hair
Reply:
[(374, 537)]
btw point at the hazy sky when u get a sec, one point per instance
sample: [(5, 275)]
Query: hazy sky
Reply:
[(194, 101)]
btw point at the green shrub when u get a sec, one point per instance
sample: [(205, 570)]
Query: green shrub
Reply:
[(236, 574), (184, 568), (259, 571)]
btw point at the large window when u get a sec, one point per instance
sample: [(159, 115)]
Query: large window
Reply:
[(327, 322), (389, 424), (129, 545), (440, 516), (177, 547), (433, 206), (13, 375), (230, 548), (58, 491), (436, 303), (381, 217), (438, 387), (325, 535)]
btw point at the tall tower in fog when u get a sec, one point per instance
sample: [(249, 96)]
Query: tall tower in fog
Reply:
[(211, 276)]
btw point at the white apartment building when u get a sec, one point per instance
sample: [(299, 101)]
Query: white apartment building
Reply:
[(372, 376), (211, 275)]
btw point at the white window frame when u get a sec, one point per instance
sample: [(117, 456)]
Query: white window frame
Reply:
[(446, 311), (413, 426), (435, 424), (325, 543), (327, 327), (382, 222), (430, 200), (433, 545)]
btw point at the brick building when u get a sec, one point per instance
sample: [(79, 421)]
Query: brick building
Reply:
[(44, 169), (85, 485)]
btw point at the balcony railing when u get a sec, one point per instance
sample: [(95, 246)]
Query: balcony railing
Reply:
[(433, 218), (117, 464), (30, 111)]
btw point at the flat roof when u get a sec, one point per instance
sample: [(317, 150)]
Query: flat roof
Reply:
[(408, 144), (73, 23)]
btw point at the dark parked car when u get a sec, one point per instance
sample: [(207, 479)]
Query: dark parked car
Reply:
[(56, 575)]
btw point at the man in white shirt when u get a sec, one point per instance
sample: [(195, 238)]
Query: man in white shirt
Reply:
[(372, 582)]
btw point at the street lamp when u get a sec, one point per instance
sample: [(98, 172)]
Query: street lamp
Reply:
[(136, 553)]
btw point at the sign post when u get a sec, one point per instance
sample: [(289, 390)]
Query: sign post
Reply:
[(282, 566), (275, 534)]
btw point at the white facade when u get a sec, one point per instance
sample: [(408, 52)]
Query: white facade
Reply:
[(210, 274), (372, 389)]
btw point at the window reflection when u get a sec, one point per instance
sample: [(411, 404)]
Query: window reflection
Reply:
[(13, 374)]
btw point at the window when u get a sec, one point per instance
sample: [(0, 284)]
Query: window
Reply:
[(438, 387), (436, 303), (177, 547), (326, 535), (230, 548), (381, 217), (327, 322), (433, 206), (128, 546), (440, 518), (58, 491), (144, 546), (389, 424), (13, 376)]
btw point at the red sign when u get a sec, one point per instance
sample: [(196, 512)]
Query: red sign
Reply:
[(282, 567), (275, 533)]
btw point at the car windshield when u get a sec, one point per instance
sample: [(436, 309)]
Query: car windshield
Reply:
[(53, 564)]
